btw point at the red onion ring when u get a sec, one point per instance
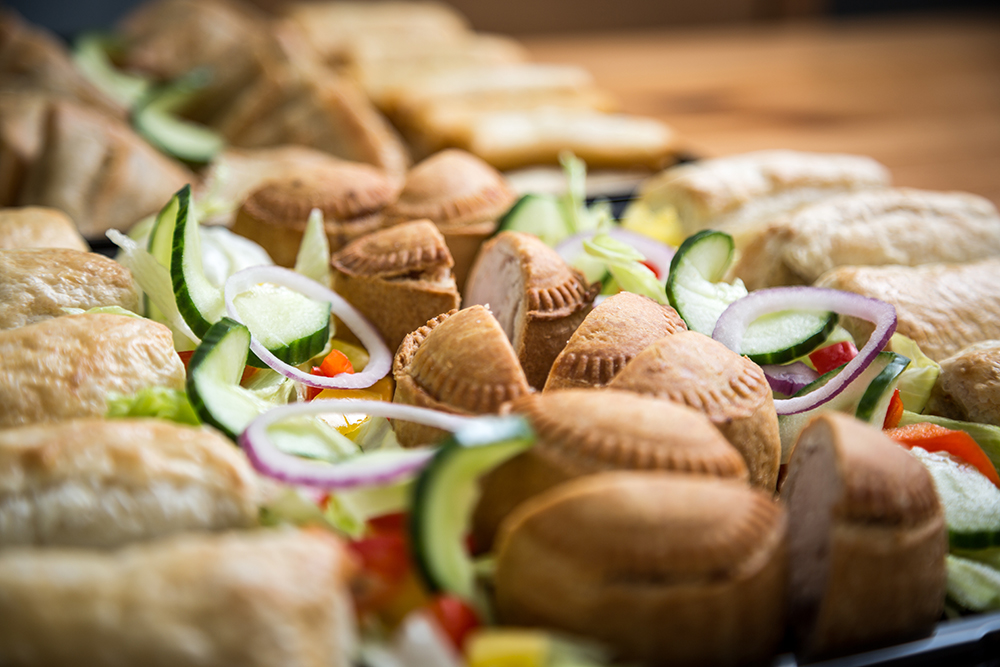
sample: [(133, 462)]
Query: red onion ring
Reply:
[(379, 356), (656, 253), (735, 319), (371, 469), (788, 379)]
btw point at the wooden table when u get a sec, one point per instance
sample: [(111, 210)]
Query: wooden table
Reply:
[(921, 95)]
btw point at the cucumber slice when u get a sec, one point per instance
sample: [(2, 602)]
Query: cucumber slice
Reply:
[(446, 492), (541, 215), (782, 337), (293, 327), (154, 119), (695, 291), (693, 287), (199, 302), (867, 398), (213, 381), (970, 501), (91, 55)]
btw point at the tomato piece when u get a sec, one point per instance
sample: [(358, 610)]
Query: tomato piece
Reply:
[(959, 444), (825, 359), (385, 565), (335, 363), (396, 522), (652, 267), (455, 617), (895, 411), (186, 357)]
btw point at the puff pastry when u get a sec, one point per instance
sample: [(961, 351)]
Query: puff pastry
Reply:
[(692, 369), (871, 228), (97, 170), (38, 284), (65, 367), (104, 483), (622, 326), (943, 307), (584, 432), (739, 194), (259, 598), (399, 278), (968, 387), (666, 569), (38, 227), (538, 299), (867, 539), (459, 362)]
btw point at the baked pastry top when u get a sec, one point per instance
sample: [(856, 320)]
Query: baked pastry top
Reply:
[(968, 388), (616, 330), (38, 227)]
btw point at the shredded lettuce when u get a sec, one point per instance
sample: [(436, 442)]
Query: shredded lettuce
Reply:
[(313, 259), (624, 264), (917, 381), (973, 585), (159, 402)]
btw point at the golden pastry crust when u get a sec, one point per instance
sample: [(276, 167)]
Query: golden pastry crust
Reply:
[(584, 431), (38, 284), (459, 362), (97, 170), (103, 483), (622, 326), (22, 123), (459, 193), (968, 387), (871, 228), (692, 369), (32, 58), (38, 227), (943, 307), (260, 598), (621, 556), (738, 194), (317, 109), (237, 172), (398, 278), (351, 197), (865, 523), (65, 367), (538, 299)]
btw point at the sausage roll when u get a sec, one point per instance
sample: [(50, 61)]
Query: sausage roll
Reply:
[(242, 599), (105, 482)]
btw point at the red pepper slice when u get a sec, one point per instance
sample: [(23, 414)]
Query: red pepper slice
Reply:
[(895, 411), (936, 438), (333, 364), (825, 359), (455, 617)]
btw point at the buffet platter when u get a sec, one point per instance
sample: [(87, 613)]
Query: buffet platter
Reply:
[(342, 334)]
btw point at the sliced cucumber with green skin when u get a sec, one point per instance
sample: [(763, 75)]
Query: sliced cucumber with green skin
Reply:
[(91, 54), (695, 291), (199, 302), (293, 327), (213, 381), (971, 502), (541, 215), (154, 118), (693, 285), (867, 398), (446, 492)]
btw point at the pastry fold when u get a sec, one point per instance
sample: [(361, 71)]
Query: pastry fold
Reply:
[(104, 483), (968, 388)]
